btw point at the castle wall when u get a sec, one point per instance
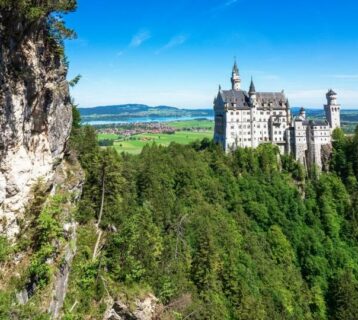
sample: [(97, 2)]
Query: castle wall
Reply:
[(248, 119), (319, 135)]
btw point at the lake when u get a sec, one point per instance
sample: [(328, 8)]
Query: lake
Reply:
[(144, 120)]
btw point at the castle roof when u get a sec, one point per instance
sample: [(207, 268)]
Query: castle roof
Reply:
[(240, 98), (274, 100), (331, 93), (318, 122), (311, 123), (252, 87), (235, 69)]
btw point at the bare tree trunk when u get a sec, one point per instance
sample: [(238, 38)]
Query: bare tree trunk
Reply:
[(99, 231), (97, 244), (179, 235), (102, 202)]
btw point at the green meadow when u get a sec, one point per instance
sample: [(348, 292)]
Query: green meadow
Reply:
[(137, 142), (181, 137)]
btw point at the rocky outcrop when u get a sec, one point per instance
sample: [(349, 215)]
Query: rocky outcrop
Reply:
[(35, 112), (145, 309), (69, 177)]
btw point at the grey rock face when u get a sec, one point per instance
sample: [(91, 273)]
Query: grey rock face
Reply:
[(35, 113), (145, 309)]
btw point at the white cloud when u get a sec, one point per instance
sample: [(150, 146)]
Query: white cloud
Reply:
[(317, 97), (224, 5), (139, 38), (230, 2), (174, 42), (344, 76)]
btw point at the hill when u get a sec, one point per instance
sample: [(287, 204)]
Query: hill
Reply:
[(123, 112)]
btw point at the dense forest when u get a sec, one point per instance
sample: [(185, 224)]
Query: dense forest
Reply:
[(246, 235), (249, 235)]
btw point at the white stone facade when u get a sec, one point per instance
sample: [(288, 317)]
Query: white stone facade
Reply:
[(247, 119)]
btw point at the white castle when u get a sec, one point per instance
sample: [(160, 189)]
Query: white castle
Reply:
[(247, 119)]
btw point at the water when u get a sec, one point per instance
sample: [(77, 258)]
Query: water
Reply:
[(144, 120)]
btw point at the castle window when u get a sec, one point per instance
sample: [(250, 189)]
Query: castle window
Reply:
[(232, 113)]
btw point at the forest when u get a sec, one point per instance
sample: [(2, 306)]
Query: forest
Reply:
[(248, 235)]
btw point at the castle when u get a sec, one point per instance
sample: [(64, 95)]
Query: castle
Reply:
[(247, 119)]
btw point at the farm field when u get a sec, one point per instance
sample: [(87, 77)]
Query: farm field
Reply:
[(181, 137), (207, 124), (135, 144)]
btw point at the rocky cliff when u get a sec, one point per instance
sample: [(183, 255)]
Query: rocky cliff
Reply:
[(35, 111)]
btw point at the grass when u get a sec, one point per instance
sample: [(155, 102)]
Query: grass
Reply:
[(181, 137), (107, 136), (192, 124)]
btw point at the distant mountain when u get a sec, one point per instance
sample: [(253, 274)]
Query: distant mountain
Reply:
[(125, 108), (135, 108), (121, 112)]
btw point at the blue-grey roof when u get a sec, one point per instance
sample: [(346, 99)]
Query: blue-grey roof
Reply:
[(240, 98), (252, 87), (318, 122), (274, 100), (331, 93), (235, 69)]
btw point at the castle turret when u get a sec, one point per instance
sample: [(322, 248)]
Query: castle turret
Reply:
[(252, 92), (235, 78), (302, 115), (333, 110)]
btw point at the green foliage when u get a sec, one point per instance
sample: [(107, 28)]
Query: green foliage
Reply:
[(47, 234), (76, 118), (248, 235), (344, 296), (5, 249)]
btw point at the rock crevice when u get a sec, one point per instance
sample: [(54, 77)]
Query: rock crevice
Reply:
[(35, 113)]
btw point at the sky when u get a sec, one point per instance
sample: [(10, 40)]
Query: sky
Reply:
[(176, 53)]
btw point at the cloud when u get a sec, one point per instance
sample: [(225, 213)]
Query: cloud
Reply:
[(120, 53), (139, 38), (317, 97), (174, 42), (344, 76), (224, 5), (230, 2)]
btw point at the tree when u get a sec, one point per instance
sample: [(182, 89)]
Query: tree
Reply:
[(344, 296)]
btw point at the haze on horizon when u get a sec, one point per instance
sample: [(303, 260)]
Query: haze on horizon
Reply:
[(177, 53)]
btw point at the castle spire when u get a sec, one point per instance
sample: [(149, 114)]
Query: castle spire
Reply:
[(235, 78), (252, 89), (235, 69)]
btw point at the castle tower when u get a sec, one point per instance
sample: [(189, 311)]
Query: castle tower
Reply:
[(252, 90), (235, 78), (333, 110), (302, 115)]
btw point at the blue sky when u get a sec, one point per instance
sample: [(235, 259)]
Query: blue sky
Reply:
[(177, 52)]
